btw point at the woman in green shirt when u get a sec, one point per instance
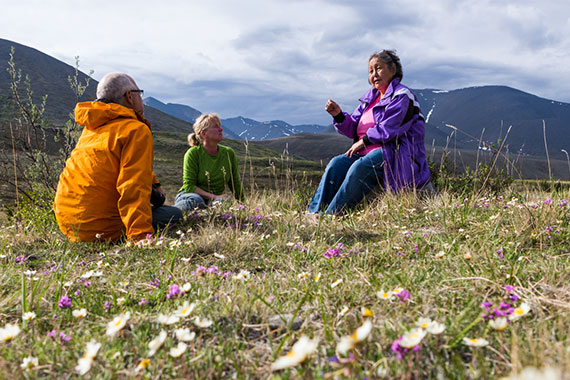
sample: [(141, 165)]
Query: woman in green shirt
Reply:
[(208, 167)]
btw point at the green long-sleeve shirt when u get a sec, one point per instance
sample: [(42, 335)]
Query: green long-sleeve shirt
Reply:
[(211, 173)]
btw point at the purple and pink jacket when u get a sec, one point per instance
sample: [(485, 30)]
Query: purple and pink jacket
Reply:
[(399, 126)]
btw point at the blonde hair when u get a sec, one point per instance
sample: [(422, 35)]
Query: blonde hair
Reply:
[(200, 125)]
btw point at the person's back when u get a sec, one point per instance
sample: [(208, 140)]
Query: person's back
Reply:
[(114, 153)]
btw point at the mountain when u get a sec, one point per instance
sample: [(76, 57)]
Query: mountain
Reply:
[(255, 130), (495, 108), (49, 76)]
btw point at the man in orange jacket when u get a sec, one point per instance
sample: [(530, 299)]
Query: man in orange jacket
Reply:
[(104, 191)]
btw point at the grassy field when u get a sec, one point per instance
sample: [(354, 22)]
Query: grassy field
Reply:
[(243, 290)]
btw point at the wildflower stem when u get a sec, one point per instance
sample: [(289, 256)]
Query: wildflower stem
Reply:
[(290, 326)]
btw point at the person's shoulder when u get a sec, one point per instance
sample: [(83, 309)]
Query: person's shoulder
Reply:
[(223, 148), (403, 90)]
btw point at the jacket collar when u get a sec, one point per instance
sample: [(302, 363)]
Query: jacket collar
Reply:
[(373, 93)]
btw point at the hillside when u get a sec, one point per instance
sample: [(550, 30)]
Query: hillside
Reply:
[(49, 76)]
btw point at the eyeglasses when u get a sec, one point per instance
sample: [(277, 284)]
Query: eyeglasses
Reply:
[(139, 91)]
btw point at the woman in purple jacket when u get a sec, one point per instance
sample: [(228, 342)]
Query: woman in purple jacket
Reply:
[(388, 131)]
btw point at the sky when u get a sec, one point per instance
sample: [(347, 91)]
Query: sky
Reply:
[(282, 59)]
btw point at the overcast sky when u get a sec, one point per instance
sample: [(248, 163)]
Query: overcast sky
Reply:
[(282, 59)]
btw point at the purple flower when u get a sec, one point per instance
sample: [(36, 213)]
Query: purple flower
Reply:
[(487, 304), (21, 260), (77, 292), (173, 291), (51, 334), (64, 338), (403, 295), (87, 284), (399, 350), (155, 282), (64, 302), (143, 302), (548, 201), (241, 207), (108, 305), (514, 297), (509, 288), (500, 252)]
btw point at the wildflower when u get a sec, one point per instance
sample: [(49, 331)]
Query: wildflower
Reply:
[(64, 302), (336, 283), (519, 312), (142, 365), (108, 306), (219, 256), (167, 319), (28, 316), (64, 338), (303, 275), (178, 350), (435, 328), (440, 254), (366, 312), (186, 287), (299, 352), (155, 344), (242, 275), (51, 334), (412, 338), (9, 332), (317, 277), (29, 363), (423, 323), (143, 302), (117, 324), (81, 313), (500, 323), (343, 312), (173, 291), (384, 295), (86, 361), (475, 342), (184, 334), (186, 309), (403, 295), (348, 342), (155, 282), (90, 274), (202, 323)]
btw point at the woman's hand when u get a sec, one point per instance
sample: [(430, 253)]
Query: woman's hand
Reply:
[(355, 148), (332, 108)]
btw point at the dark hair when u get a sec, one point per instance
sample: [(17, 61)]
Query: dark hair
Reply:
[(390, 58)]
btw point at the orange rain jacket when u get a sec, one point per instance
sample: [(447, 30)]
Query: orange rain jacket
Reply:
[(104, 189)]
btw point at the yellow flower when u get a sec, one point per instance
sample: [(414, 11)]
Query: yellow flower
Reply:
[(299, 352), (142, 365), (366, 312)]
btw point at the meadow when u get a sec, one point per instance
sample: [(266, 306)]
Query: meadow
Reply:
[(471, 286)]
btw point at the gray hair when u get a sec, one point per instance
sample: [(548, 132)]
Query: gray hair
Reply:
[(390, 58), (113, 87)]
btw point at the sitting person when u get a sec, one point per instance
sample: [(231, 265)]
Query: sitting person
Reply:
[(388, 132), (208, 167), (104, 191)]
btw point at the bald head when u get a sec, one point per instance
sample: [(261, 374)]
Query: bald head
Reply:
[(113, 87)]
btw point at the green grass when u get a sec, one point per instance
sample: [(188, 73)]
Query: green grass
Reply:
[(398, 241)]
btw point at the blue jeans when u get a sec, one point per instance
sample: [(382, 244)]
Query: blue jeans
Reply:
[(189, 201), (165, 215), (346, 181)]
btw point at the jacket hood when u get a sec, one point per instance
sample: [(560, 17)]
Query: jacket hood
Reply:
[(92, 115)]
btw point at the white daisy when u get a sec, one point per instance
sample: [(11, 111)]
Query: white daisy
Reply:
[(81, 313), (185, 310), (412, 338), (29, 363), (348, 342), (202, 323), (178, 350), (167, 319), (9, 332), (185, 335), (475, 342), (299, 352), (117, 324), (520, 311), (500, 323), (28, 316), (155, 344)]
